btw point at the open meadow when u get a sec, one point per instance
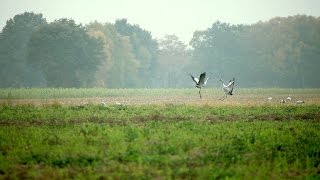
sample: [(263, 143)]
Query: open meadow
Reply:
[(159, 133)]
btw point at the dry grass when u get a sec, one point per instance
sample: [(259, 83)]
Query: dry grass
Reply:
[(210, 99)]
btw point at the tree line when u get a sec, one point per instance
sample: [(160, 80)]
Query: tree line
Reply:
[(281, 52)]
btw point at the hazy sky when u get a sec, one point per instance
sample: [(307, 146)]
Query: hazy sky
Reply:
[(160, 17)]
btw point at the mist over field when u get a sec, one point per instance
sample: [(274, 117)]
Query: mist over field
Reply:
[(117, 90), (276, 52)]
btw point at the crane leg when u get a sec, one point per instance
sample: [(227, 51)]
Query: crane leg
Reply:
[(200, 93), (223, 97)]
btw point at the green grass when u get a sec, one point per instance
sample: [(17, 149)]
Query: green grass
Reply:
[(159, 141)]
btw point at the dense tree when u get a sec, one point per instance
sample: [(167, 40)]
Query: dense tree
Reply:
[(281, 52), (144, 47), (172, 63), (67, 55), (120, 67), (14, 70), (218, 50)]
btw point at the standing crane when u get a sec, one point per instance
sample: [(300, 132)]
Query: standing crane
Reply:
[(227, 89), (201, 82)]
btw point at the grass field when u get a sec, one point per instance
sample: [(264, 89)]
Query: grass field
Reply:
[(158, 134), (75, 97)]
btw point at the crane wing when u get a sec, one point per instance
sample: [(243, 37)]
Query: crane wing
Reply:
[(196, 80), (205, 82), (231, 85), (202, 78)]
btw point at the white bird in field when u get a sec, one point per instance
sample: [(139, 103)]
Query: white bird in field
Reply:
[(289, 98), (201, 82), (103, 103), (228, 89), (300, 102), (118, 104), (269, 99)]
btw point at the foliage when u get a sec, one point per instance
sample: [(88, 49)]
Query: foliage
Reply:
[(172, 63), (120, 67), (281, 52), (14, 38), (65, 53), (144, 47)]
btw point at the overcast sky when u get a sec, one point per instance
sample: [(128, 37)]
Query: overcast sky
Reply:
[(160, 17)]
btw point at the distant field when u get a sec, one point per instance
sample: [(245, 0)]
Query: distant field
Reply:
[(154, 96), (158, 133)]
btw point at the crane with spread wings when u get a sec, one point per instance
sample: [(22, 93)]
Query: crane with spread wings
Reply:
[(228, 89), (201, 82)]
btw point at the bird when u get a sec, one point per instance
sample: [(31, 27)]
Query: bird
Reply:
[(201, 82), (228, 89), (118, 104), (103, 103), (282, 101), (289, 98), (269, 99), (300, 102)]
